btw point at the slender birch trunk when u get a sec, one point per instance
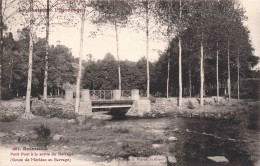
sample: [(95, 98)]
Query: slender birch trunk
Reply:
[(180, 64), (229, 84), (11, 73), (147, 49), (217, 75), (118, 60), (45, 86), (168, 76), (80, 64), (180, 74), (1, 47), (238, 79), (201, 76), (190, 81), (28, 114)]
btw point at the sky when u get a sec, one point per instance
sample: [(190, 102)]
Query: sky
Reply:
[(252, 8), (132, 43)]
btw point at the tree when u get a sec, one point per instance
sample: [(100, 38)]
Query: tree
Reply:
[(4, 18), (176, 15), (47, 51), (1, 46), (167, 16), (83, 15), (28, 114), (116, 13), (47, 19)]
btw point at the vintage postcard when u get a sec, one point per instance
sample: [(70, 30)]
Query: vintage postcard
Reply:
[(129, 82)]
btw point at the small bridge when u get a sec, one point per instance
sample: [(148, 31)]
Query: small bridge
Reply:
[(115, 101), (109, 99)]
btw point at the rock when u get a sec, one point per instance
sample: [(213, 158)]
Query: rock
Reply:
[(218, 159), (20, 133), (176, 130), (171, 159), (72, 121), (33, 135), (94, 128), (102, 117), (157, 131), (81, 120), (156, 146), (231, 139), (188, 130), (120, 143), (172, 139), (58, 137)]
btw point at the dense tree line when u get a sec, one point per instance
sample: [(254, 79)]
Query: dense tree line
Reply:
[(15, 65)]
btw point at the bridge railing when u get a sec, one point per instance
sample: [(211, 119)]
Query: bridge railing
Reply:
[(87, 95), (101, 94), (126, 94)]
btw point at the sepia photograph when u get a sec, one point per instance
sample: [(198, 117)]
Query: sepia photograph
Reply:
[(129, 83)]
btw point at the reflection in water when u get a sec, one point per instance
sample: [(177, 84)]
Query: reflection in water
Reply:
[(199, 138)]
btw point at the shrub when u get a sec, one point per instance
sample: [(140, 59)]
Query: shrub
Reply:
[(190, 105), (8, 118), (42, 131), (51, 112)]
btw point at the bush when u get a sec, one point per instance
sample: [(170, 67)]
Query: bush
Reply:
[(42, 131), (190, 105), (8, 118), (51, 112), (8, 114)]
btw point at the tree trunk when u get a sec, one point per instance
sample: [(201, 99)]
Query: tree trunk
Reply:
[(27, 114), (1, 47), (229, 84), (180, 75), (217, 76), (201, 76), (238, 79), (147, 50), (58, 91), (168, 76), (189, 81), (180, 64), (46, 52), (80, 64), (11, 73), (118, 60)]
